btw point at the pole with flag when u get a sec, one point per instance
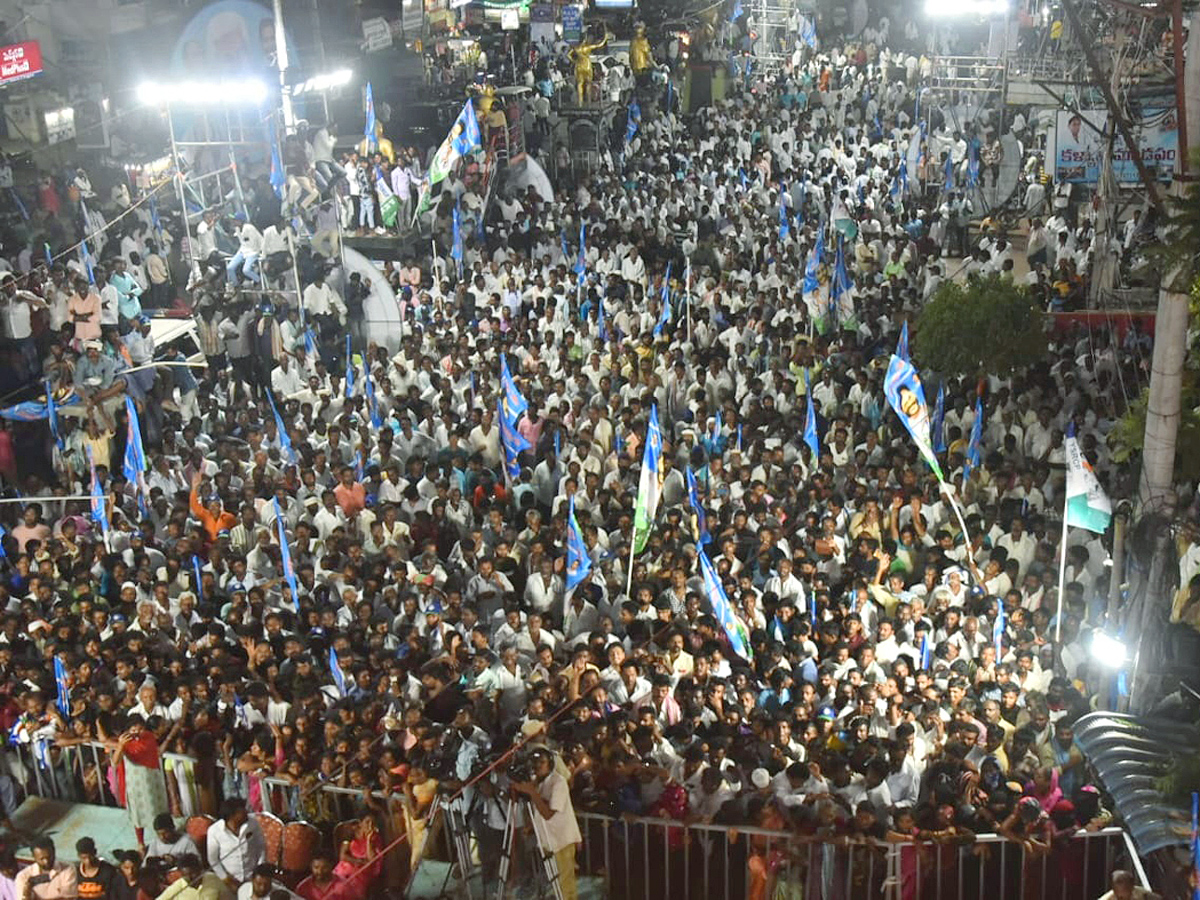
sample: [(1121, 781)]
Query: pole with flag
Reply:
[(785, 225), (1086, 506), (62, 689), (649, 491), (369, 128), (335, 669), (810, 422), (285, 556), (99, 501), (579, 562), (369, 389), (902, 344), (285, 441), (349, 369), (974, 451), (52, 415), (456, 247), (998, 630), (135, 456), (702, 536), (739, 640)]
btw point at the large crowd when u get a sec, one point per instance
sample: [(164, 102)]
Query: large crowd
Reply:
[(368, 599)]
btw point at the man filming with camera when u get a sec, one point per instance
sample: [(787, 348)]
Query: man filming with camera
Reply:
[(550, 797)]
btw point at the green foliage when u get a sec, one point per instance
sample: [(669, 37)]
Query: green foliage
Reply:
[(987, 326), (1177, 256)]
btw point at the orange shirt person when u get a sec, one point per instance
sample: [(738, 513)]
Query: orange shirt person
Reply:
[(351, 496), (213, 517)]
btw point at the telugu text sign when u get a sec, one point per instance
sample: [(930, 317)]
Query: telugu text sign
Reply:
[(1079, 149), (20, 61)]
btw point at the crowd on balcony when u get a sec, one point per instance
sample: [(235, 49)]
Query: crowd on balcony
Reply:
[(331, 575)]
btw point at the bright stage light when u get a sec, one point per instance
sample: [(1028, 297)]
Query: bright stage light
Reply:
[(946, 9), (325, 81), (1107, 650)]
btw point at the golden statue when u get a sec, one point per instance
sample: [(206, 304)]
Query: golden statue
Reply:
[(485, 99), (640, 57), (386, 150), (583, 66)]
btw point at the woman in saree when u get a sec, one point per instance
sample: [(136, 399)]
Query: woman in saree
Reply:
[(360, 852), (419, 792), (140, 786)]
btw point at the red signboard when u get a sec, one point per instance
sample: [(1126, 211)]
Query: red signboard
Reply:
[(20, 61)]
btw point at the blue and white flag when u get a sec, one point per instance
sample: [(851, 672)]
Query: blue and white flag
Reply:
[(512, 404), (286, 450), (948, 183), (649, 485), (52, 415), (285, 556), (902, 344), (62, 690), (841, 290), (813, 266), (349, 369), (664, 318), (135, 456), (938, 436), (808, 32), (974, 451), (579, 563), (926, 654), (369, 128), (512, 444), (903, 388), (785, 225), (335, 669), (702, 535), (1087, 504), (581, 259), (372, 400), (633, 120), (810, 421), (456, 247), (998, 630), (739, 639), (972, 164)]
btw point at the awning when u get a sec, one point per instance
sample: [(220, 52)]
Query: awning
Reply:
[(1130, 754)]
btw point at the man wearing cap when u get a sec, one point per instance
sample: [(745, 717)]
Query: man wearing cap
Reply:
[(96, 379)]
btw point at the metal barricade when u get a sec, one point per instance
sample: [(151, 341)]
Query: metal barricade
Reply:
[(661, 859)]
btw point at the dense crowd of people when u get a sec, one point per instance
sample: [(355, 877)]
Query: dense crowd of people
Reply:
[(328, 576)]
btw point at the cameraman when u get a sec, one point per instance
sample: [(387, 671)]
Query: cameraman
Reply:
[(550, 797)]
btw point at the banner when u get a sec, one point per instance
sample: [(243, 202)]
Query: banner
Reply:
[(1079, 149), (20, 61)]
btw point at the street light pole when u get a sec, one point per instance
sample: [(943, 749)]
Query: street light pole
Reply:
[(281, 62)]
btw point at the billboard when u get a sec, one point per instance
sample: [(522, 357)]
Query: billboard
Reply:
[(20, 61), (1078, 149)]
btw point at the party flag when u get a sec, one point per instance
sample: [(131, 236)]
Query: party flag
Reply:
[(285, 441), (512, 443), (579, 563), (739, 640), (63, 690), (926, 654), (135, 455), (974, 453), (998, 631), (198, 575), (52, 415), (702, 534), (948, 183), (512, 404), (99, 500), (1087, 504), (649, 485), (349, 370), (785, 225), (938, 436), (902, 344), (810, 421), (369, 389), (285, 555), (369, 128), (903, 388), (335, 669)]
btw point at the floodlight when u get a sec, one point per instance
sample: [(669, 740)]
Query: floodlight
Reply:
[(945, 9), (1107, 650), (203, 93)]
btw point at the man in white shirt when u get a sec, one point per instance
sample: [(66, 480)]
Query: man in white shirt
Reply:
[(323, 303), (235, 845), (250, 241), (550, 797), (286, 379)]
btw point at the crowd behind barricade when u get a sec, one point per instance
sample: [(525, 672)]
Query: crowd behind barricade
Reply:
[(328, 575)]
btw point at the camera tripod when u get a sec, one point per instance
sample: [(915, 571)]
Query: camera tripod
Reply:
[(451, 815), (546, 857)]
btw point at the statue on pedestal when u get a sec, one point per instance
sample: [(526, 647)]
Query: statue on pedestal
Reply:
[(583, 66)]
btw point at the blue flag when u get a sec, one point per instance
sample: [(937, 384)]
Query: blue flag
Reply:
[(369, 128), (633, 120), (903, 388), (278, 176), (512, 404), (739, 437), (808, 32), (840, 291), (468, 135), (777, 629), (974, 454), (335, 669), (938, 436), (63, 691), (810, 421), (369, 388), (702, 534), (285, 556), (949, 179), (456, 248), (602, 329), (902, 344), (739, 639), (926, 654), (998, 631), (512, 443), (904, 176), (579, 563), (285, 441), (785, 225), (52, 415), (664, 318), (580, 262), (99, 501), (972, 163), (310, 341), (3, 534), (198, 575), (135, 455), (85, 257), (742, 177), (349, 370)]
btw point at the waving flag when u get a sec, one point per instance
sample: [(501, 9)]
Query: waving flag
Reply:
[(580, 261), (52, 415), (841, 291), (198, 575), (135, 456), (349, 369), (902, 344), (335, 669), (903, 388), (812, 267), (285, 555), (972, 164), (926, 654), (579, 563), (633, 120), (464, 137), (512, 443), (904, 176), (389, 203), (601, 329), (948, 183), (998, 631), (739, 640), (369, 128), (810, 421), (808, 32), (974, 454), (278, 178), (369, 389), (99, 500), (456, 248), (62, 689), (512, 404), (85, 257), (649, 485), (664, 318), (938, 437), (702, 534), (285, 441), (1087, 504), (785, 226)]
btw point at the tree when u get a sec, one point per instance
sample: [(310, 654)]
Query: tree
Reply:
[(986, 326)]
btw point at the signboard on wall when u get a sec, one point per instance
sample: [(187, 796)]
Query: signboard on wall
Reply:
[(1079, 149), (572, 24), (20, 61)]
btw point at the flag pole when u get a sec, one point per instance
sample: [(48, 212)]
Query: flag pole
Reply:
[(1062, 577), (687, 299), (629, 573)]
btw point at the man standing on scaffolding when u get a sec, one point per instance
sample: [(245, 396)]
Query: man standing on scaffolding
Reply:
[(557, 830)]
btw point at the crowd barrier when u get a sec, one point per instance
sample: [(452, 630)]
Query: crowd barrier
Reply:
[(642, 858)]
